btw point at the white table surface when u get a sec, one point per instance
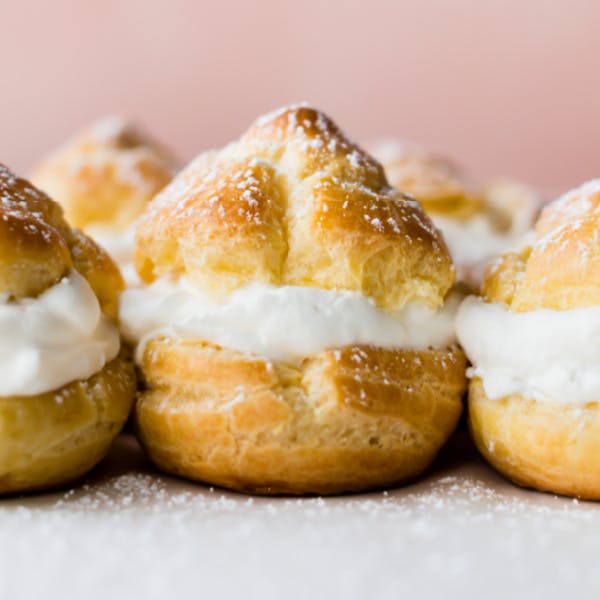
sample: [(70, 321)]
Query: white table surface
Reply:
[(460, 532)]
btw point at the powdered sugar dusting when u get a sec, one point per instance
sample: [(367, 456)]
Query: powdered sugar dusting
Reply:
[(111, 152), (461, 532), (292, 170), (19, 199), (561, 221), (568, 211), (578, 201)]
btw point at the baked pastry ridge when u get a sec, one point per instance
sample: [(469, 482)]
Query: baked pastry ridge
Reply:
[(293, 204), (536, 418), (56, 285)]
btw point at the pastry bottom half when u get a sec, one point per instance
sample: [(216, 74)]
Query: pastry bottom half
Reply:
[(543, 445), (52, 439), (345, 420)]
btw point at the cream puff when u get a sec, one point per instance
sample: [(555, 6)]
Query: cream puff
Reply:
[(65, 387), (294, 332), (533, 342), (478, 222), (104, 177)]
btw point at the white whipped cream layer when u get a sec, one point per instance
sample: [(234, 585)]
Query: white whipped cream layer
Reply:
[(59, 337), (285, 323), (120, 245), (545, 355)]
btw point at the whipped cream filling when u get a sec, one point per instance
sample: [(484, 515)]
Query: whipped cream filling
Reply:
[(59, 337), (120, 245), (285, 323), (545, 355)]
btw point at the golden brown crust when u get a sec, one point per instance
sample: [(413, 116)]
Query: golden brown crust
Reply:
[(33, 252), (435, 181), (577, 203), (98, 268), (503, 276), (561, 270), (501, 209), (508, 206), (37, 247), (445, 191), (294, 202), (544, 445), (52, 439), (106, 174), (345, 420)]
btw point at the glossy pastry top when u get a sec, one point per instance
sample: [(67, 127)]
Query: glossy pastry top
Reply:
[(294, 202), (38, 248), (105, 175)]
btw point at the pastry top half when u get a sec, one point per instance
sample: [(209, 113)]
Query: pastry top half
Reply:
[(294, 202), (561, 269), (445, 190), (437, 182), (38, 248), (105, 175)]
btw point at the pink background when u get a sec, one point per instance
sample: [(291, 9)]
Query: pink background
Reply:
[(505, 86)]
